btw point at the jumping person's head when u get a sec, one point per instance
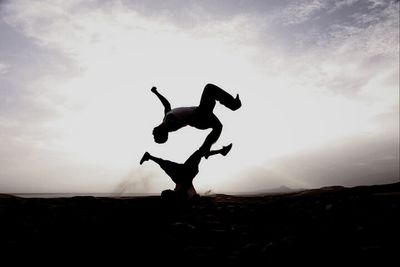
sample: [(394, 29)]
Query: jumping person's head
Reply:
[(160, 134)]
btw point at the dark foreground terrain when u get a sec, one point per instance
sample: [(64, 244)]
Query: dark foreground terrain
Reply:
[(323, 226)]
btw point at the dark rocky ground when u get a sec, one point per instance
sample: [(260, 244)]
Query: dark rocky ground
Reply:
[(324, 226)]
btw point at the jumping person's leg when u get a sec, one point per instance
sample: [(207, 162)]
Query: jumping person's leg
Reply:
[(213, 136), (212, 93), (223, 151)]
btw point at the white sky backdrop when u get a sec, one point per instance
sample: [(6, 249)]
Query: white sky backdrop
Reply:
[(319, 83)]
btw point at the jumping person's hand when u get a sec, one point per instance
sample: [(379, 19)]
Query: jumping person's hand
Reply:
[(154, 89)]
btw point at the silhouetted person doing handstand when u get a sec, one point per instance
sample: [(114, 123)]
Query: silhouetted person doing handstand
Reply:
[(201, 117), (183, 173)]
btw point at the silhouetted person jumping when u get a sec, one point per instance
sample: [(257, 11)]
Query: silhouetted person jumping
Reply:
[(183, 173), (200, 117)]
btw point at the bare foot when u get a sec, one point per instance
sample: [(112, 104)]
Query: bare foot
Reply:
[(238, 103), (225, 149), (146, 157)]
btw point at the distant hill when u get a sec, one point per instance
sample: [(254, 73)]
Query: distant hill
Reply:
[(277, 190)]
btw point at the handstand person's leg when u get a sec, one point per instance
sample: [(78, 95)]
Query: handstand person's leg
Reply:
[(195, 158), (170, 168), (212, 93), (146, 157)]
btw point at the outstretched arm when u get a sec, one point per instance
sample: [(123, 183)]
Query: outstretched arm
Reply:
[(164, 101)]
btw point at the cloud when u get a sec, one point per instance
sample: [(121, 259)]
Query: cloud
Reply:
[(94, 116), (375, 33), (356, 161), (330, 23), (301, 11), (309, 73), (343, 4), (4, 68), (347, 55)]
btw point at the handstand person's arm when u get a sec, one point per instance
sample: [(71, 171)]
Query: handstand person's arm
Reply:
[(164, 101)]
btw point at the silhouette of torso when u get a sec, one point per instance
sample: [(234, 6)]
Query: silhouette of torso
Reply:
[(179, 117), (184, 179), (184, 174)]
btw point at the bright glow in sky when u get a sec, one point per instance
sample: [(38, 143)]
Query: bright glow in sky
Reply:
[(319, 83)]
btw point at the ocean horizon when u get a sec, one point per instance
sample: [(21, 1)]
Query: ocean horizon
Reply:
[(68, 195)]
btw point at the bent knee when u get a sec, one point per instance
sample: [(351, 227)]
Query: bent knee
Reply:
[(217, 127), (209, 87)]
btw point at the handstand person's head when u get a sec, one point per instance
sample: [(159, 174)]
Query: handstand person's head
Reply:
[(160, 134)]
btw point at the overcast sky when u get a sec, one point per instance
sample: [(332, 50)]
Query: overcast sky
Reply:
[(318, 79)]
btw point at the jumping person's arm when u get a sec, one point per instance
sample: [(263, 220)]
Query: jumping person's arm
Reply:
[(164, 101)]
